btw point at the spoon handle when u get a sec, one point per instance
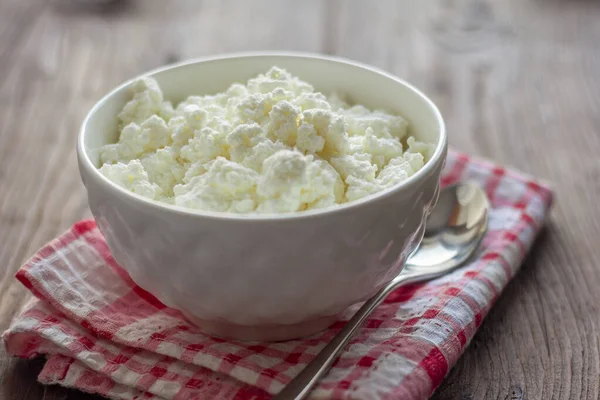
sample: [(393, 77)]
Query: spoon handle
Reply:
[(303, 383)]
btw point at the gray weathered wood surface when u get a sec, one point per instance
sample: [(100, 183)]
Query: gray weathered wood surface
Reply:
[(535, 106)]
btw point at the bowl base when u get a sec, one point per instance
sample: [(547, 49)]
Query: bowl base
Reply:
[(262, 333)]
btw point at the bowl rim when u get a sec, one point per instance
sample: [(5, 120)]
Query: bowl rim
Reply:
[(85, 164)]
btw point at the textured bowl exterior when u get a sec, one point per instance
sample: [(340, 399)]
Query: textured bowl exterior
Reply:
[(261, 272), (253, 273)]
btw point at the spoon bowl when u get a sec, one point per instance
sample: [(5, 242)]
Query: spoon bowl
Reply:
[(454, 231), (453, 234)]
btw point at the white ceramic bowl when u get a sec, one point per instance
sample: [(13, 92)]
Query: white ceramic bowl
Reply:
[(265, 277)]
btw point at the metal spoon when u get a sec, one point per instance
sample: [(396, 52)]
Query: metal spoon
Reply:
[(454, 231)]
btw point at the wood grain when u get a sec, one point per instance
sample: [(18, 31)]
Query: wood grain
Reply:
[(534, 104)]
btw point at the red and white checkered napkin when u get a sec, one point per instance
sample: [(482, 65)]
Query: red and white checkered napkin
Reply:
[(103, 334)]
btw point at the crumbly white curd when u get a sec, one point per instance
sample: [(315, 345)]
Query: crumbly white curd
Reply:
[(273, 145)]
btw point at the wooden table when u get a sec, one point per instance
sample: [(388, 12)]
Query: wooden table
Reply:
[(534, 105)]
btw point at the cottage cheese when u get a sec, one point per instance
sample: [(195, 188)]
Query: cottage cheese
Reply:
[(273, 145)]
